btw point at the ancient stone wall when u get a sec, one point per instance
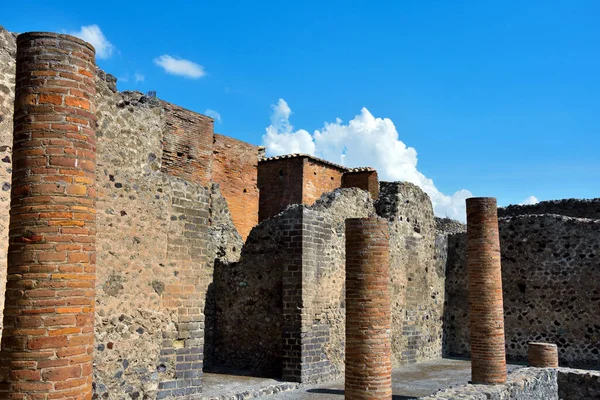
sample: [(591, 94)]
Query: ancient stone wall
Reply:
[(578, 208), (362, 178), (235, 169), (417, 272), (577, 384), (549, 295), (305, 244), (8, 52), (280, 185)]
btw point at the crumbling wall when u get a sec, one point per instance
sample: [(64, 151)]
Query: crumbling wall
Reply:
[(235, 169), (550, 295), (578, 208), (8, 52), (416, 269), (293, 268)]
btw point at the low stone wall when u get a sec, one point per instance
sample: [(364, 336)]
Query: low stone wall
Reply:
[(578, 208), (522, 384), (576, 384)]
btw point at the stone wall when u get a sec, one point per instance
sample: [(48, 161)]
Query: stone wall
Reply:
[(578, 208), (577, 384), (8, 52), (235, 169), (293, 268), (547, 262), (522, 384)]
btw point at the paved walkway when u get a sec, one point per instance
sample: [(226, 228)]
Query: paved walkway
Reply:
[(409, 382)]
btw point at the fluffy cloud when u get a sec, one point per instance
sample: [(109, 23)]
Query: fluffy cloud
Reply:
[(530, 200), (213, 114), (363, 141), (93, 35), (180, 67), (137, 77)]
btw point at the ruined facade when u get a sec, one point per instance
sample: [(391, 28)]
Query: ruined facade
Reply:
[(212, 258)]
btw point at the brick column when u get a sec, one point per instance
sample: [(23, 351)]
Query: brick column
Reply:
[(488, 360), (47, 346), (368, 310), (542, 355)]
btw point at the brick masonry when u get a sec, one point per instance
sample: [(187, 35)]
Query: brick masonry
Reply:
[(48, 337), (280, 185), (235, 169), (368, 310), (542, 355), (362, 179), (187, 144), (318, 178), (486, 322)]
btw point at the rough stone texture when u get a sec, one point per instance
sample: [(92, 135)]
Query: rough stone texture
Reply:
[(486, 317), (578, 384), (547, 262), (542, 355), (449, 226), (368, 373), (578, 208), (522, 384), (8, 53), (48, 336), (235, 169), (417, 272)]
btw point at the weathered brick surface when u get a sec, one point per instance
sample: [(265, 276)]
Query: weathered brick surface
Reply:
[(235, 169), (187, 144), (280, 185), (364, 179), (486, 317), (319, 178), (542, 355), (52, 254), (368, 310)]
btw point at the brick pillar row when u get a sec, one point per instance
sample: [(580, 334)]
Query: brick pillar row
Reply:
[(368, 310), (486, 314), (47, 345)]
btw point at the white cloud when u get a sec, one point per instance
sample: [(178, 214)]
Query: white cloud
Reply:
[(137, 77), (180, 66), (530, 200), (93, 35), (213, 114), (364, 141)]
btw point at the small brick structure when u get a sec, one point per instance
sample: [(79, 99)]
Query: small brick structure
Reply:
[(542, 355), (47, 345), (488, 360), (363, 178), (368, 310)]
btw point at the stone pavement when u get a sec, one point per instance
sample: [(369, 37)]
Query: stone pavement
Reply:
[(408, 382)]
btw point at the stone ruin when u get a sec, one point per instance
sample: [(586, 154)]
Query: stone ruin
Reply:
[(143, 249)]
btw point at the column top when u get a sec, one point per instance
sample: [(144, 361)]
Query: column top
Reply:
[(51, 35)]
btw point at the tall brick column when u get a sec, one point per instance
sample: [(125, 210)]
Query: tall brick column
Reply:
[(368, 310), (46, 349), (488, 360)]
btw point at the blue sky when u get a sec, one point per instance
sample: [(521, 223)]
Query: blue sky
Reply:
[(501, 98)]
